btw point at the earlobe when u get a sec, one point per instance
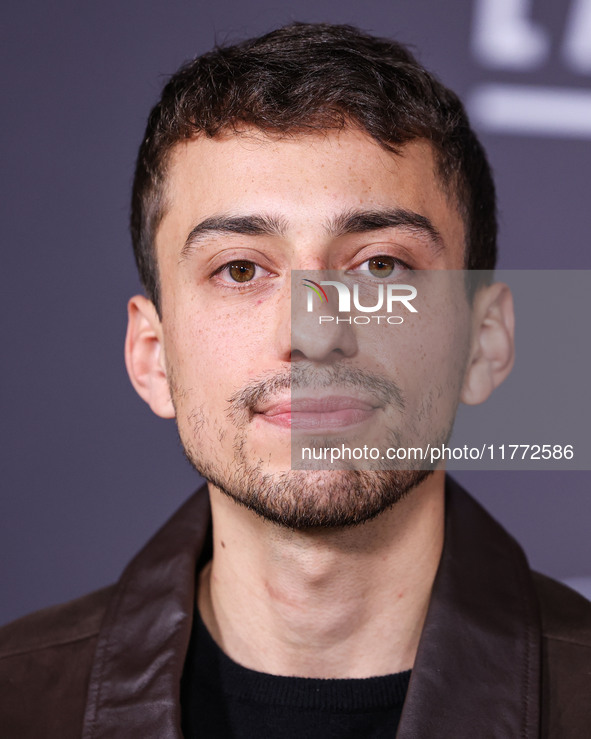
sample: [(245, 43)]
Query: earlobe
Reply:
[(493, 343), (144, 356)]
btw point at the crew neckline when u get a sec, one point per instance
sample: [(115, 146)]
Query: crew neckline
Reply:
[(209, 665)]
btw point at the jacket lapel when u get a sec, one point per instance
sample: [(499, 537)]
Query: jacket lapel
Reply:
[(135, 681), (477, 670)]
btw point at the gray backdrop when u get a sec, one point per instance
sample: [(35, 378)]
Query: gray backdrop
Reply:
[(88, 472)]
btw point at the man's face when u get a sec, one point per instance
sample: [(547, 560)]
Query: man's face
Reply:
[(243, 212)]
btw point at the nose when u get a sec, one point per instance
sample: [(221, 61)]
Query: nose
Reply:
[(319, 333)]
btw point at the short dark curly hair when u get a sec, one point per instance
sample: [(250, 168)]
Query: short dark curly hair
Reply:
[(304, 78)]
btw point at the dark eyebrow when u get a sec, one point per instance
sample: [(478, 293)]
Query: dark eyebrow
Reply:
[(261, 225), (374, 220), (350, 222)]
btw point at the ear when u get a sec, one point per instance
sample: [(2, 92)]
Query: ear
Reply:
[(493, 343), (144, 356)]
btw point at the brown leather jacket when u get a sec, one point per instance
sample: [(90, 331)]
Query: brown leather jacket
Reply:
[(504, 652)]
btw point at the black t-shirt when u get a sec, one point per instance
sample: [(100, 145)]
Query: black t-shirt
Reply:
[(220, 698)]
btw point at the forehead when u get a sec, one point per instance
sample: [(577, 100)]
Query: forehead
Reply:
[(304, 180)]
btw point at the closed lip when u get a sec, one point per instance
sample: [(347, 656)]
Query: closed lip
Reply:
[(326, 404), (319, 415)]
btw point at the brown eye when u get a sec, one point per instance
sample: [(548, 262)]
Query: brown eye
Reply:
[(242, 271), (381, 266)]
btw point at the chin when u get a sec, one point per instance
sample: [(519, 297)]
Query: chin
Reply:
[(318, 499)]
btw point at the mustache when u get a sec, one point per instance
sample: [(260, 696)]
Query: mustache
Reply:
[(306, 377)]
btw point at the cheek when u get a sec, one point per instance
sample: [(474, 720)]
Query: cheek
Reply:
[(441, 359), (212, 354), (424, 356)]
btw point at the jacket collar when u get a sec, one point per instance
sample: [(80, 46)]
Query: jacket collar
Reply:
[(477, 670), (135, 679)]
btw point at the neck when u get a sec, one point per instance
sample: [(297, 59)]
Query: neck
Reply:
[(343, 603)]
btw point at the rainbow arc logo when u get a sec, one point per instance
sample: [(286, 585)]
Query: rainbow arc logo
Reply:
[(318, 289)]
